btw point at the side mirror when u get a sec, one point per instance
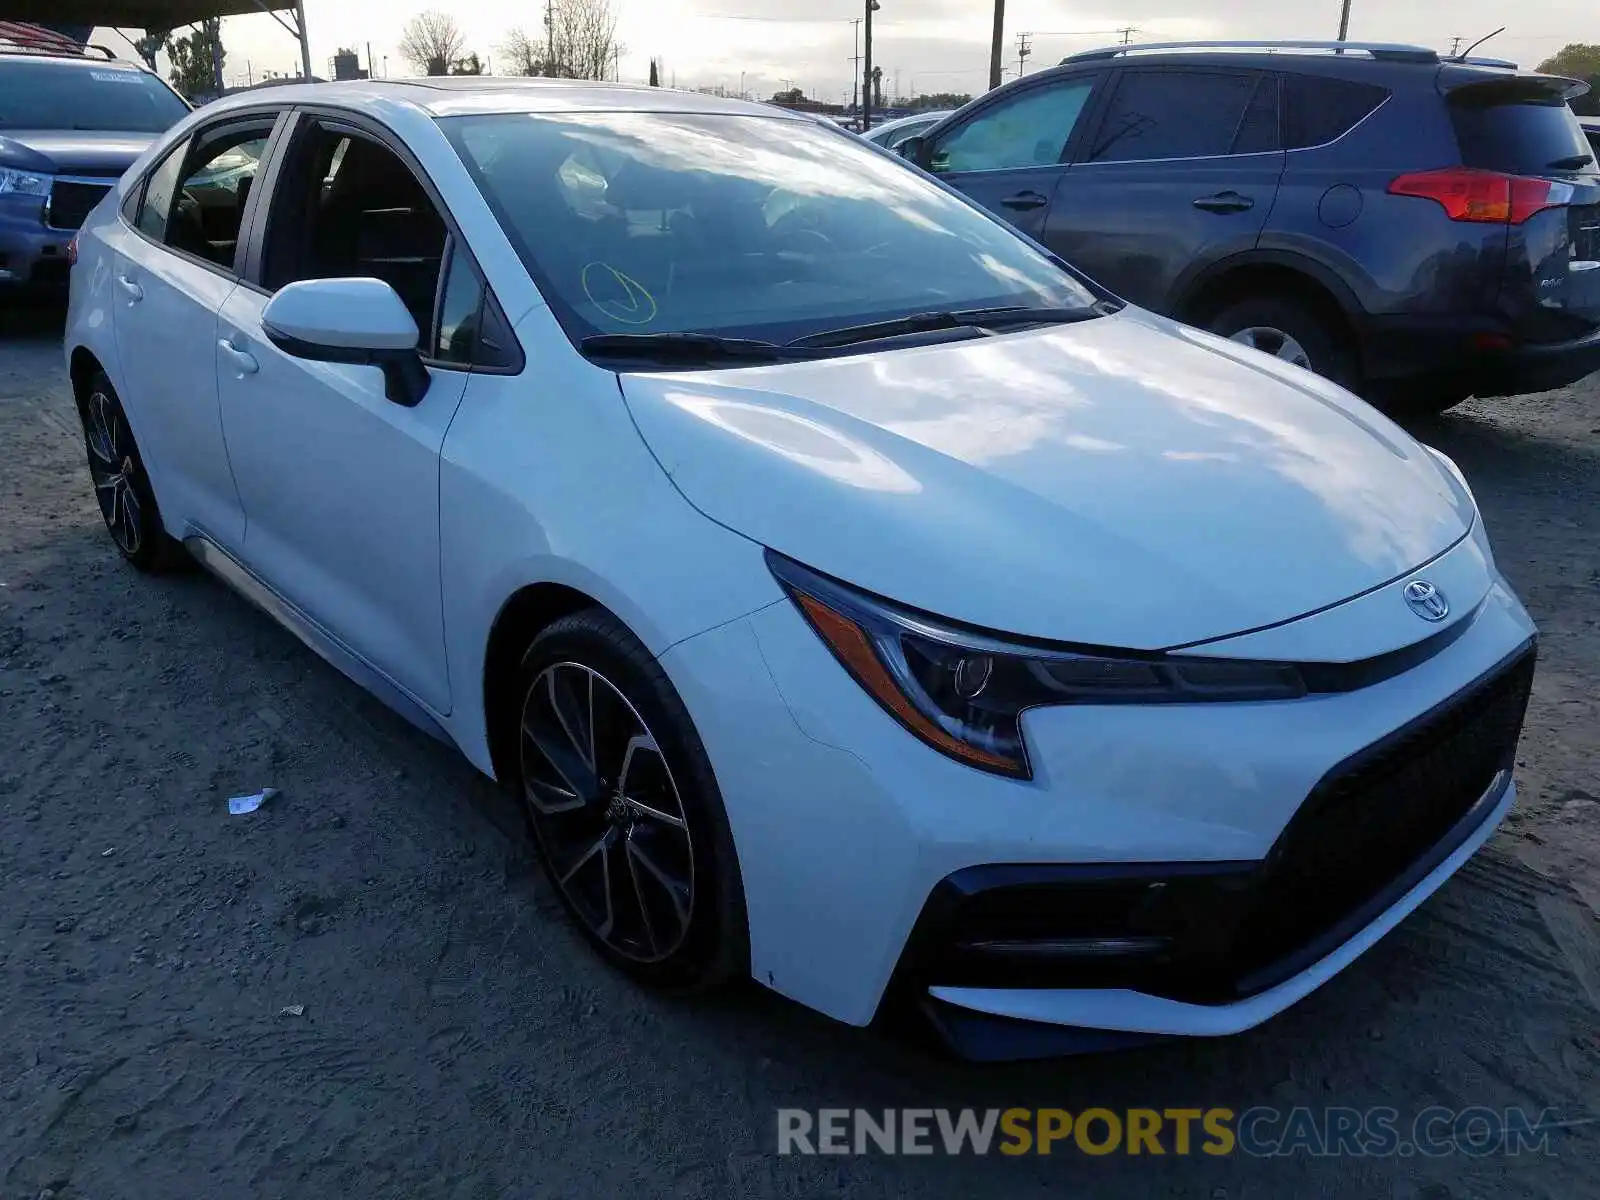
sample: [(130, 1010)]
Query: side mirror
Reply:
[(916, 149), (359, 321)]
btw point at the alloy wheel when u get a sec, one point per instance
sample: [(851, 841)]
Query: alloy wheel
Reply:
[(607, 812), (113, 468), (1274, 342)]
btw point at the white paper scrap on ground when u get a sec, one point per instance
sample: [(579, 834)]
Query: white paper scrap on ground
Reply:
[(239, 805)]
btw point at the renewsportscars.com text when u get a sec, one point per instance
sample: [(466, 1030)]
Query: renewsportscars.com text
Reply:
[(1260, 1131)]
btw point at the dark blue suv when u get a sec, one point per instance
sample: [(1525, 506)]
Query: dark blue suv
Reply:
[(1418, 229)]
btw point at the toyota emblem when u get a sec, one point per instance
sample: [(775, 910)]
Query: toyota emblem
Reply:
[(1426, 601)]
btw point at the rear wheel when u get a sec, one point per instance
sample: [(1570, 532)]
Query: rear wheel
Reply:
[(121, 483), (1288, 330), (624, 808)]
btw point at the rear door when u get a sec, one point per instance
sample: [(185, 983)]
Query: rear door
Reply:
[(1181, 170), (175, 256), (1010, 154), (1523, 127)]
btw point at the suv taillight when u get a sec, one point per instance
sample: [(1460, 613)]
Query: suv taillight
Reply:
[(1466, 194)]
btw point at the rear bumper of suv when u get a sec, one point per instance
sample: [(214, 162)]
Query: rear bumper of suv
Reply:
[(1476, 356)]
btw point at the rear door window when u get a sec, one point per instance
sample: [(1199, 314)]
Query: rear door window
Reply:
[(1318, 110), (1174, 114), (1518, 131)]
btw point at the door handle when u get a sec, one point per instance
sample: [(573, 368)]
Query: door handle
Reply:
[(1225, 202), (243, 360), (1026, 200), (132, 290)]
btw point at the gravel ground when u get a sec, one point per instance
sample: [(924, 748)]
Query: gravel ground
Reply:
[(456, 1040)]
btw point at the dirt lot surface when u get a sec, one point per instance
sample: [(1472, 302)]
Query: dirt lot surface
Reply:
[(456, 1040)]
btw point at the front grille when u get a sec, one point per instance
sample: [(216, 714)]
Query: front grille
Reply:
[(1213, 932), (71, 203), (1374, 816)]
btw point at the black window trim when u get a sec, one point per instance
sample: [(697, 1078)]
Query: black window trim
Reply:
[(188, 143), (1088, 117), (333, 118), (1188, 69)]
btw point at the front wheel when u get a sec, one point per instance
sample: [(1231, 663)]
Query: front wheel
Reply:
[(1288, 330), (624, 808)]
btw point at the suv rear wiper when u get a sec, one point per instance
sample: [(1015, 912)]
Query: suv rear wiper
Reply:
[(685, 348), (1572, 162), (965, 318)]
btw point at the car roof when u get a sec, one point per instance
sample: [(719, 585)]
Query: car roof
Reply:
[(11, 54), (457, 95)]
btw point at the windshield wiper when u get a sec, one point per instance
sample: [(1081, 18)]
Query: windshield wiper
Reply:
[(965, 318), (685, 348), (1571, 162)]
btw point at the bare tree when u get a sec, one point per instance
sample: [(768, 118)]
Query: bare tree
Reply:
[(585, 37), (521, 54), (431, 42), (580, 42)]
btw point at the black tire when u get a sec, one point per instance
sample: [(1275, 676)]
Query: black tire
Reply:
[(121, 483), (1324, 344), (589, 826)]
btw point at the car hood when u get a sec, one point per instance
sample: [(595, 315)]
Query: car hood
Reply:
[(1125, 482), (67, 151)]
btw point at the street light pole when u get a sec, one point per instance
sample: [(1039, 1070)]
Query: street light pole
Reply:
[(994, 45), (866, 74)]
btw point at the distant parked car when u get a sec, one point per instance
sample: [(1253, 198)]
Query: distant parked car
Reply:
[(891, 133), (71, 122), (1591, 130), (1419, 230)]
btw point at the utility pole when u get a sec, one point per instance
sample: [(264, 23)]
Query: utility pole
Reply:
[(855, 59), (866, 76), (995, 43), (1344, 21), (549, 37), (370, 71), (1455, 45), (1023, 51), (1127, 32)]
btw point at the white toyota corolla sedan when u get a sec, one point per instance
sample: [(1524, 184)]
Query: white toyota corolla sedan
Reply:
[(862, 600)]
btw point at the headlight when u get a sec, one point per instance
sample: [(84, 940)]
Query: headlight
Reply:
[(964, 691), (23, 183)]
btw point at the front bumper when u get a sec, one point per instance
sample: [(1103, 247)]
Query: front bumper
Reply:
[(32, 255), (846, 825), (994, 1024)]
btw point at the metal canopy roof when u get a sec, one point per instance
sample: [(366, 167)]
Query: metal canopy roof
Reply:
[(136, 14), (161, 14)]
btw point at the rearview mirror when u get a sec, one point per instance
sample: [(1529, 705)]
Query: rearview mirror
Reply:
[(915, 149), (360, 321)]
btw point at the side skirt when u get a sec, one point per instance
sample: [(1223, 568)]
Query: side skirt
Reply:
[(300, 623)]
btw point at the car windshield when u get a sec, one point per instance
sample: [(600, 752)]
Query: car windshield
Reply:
[(60, 95), (739, 226)]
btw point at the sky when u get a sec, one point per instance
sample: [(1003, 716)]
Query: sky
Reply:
[(925, 45)]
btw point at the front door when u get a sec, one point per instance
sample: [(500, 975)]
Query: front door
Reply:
[(1008, 156), (340, 485), (1181, 172)]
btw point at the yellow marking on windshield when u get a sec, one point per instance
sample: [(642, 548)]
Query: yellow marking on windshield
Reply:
[(636, 306)]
